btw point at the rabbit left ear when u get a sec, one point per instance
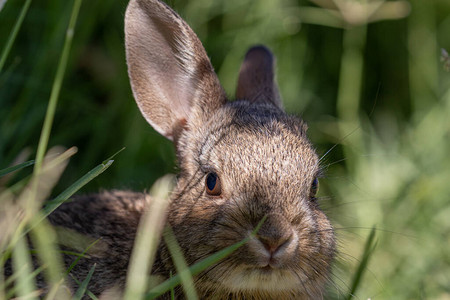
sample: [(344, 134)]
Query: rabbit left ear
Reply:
[(256, 81), (169, 70)]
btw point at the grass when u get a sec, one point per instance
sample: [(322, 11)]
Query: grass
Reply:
[(376, 88)]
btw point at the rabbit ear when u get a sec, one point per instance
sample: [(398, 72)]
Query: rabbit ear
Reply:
[(256, 78), (169, 70)]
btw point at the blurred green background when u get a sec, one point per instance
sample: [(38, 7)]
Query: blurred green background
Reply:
[(369, 77)]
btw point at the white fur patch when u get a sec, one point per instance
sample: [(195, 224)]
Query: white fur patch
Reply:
[(262, 280)]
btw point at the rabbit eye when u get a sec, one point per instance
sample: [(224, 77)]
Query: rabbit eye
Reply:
[(213, 185), (314, 188)]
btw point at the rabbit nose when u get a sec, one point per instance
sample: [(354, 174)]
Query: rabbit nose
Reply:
[(273, 244), (275, 233)]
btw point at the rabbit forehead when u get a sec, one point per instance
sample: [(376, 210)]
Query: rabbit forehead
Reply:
[(265, 155), (260, 144)]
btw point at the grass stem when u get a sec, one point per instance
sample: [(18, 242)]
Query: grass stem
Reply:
[(13, 34)]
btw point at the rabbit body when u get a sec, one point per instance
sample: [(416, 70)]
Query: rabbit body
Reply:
[(240, 161)]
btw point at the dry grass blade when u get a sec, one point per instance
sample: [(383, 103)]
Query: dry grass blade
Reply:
[(147, 239), (21, 259), (42, 183), (16, 212)]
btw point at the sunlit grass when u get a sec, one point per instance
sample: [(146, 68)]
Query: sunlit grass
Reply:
[(147, 239)]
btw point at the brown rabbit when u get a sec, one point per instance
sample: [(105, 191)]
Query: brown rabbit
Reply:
[(240, 161)]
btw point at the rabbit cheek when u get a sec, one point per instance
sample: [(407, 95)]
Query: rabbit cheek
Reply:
[(316, 248), (326, 237)]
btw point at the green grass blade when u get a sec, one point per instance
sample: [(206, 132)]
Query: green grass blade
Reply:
[(56, 88), (194, 270), (180, 264), (80, 256), (172, 290), (200, 266), (13, 34), (89, 293), (67, 193), (8, 170), (369, 247), (83, 287), (112, 156), (72, 253)]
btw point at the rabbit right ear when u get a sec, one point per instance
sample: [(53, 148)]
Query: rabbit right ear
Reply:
[(256, 81), (169, 70)]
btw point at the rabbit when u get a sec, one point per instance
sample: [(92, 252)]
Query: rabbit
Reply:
[(240, 161)]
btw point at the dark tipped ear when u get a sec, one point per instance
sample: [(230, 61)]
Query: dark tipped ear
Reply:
[(256, 78), (169, 70)]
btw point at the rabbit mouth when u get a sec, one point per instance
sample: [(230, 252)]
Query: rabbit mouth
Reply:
[(266, 270)]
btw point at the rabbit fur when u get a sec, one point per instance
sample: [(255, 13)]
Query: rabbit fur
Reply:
[(260, 156)]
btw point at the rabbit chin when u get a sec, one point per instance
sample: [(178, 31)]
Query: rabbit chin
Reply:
[(261, 279)]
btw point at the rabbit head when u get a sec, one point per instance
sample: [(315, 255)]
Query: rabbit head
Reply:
[(240, 161)]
